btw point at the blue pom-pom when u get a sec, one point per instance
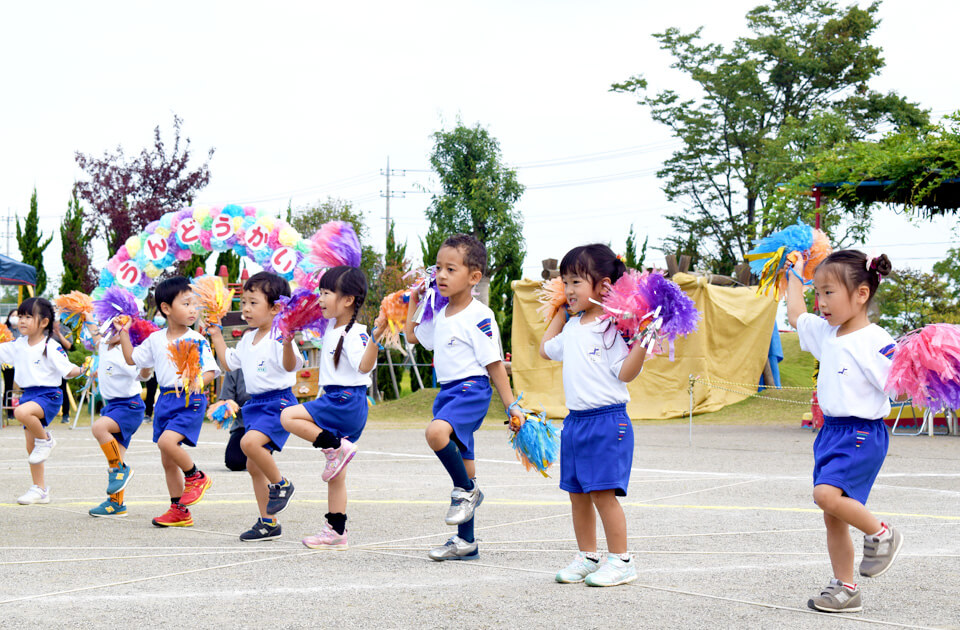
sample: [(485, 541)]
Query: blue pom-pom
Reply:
[(796, 238), (537, 443)]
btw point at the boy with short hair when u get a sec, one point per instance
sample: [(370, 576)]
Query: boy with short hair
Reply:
[(467, 357), (178, 416)]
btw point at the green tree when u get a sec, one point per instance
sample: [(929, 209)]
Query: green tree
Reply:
[(910, 299), (477, 196), (804, 59), (31, 243), (631, 258), (395, 255), (430, 245), (76, 235), (949, 271)]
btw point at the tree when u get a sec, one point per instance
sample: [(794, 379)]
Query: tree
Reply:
[(632, 259), (75, 236), (31, 243), (477, 196), (128, 193), (910, 299), (805, 59), (949, 271), (395, 255)]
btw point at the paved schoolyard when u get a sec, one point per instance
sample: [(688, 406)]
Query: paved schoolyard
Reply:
[(724, 535)]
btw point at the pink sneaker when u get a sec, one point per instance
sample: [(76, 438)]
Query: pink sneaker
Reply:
[(338, 458), (327, 539)]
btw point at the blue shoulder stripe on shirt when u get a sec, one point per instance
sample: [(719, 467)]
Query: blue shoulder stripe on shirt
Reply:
[(364, 338), (486, 327), (888, 351)]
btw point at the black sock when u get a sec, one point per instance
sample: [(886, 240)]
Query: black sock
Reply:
[(337, 520), (190, 473), (326, 440), (175, 500)]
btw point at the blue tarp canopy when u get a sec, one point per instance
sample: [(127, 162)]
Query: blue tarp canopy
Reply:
[(15, 272)]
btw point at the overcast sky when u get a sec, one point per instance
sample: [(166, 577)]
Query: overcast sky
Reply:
[(307, 99)]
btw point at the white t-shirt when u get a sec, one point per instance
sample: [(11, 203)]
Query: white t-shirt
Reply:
[(592, 356), (153, 353), (31, 368), (463, 344), (262, 363), (853, 367), (116, 378), (347, 373)]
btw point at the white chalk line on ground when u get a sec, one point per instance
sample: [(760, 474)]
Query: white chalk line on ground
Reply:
[(476, 563), (154, 577), (493, 548), (140, 557)]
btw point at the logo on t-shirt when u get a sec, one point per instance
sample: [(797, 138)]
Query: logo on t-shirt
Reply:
[(486, 327), (61, 350), (262, 367), (594, 355), (841, 372), (364, 338), (887, 351)]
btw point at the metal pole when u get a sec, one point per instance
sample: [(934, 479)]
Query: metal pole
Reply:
[(693, 380), (386, 232), (393, 377), (413, 361)]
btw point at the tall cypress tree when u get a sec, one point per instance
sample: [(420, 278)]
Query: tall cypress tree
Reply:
[(75, 238), (31, 243)]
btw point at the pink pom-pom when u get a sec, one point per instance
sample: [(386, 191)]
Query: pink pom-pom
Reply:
[(926, 367), (335, 244), (300, 311)]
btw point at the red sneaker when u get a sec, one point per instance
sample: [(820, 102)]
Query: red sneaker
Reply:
[(176, 516), (194, 487)]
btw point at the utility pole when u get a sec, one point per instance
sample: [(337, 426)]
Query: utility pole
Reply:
[(8, 231), (386, 194)]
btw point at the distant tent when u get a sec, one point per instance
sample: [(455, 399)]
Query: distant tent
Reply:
[(16, 273)]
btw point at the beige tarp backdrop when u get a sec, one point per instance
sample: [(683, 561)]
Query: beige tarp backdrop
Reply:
[(730, 344)]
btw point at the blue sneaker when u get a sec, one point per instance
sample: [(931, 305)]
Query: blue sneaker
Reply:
[(109, 509), (118, 478), (280, 495)]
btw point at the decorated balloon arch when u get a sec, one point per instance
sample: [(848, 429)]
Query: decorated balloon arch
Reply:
[(255, 234)]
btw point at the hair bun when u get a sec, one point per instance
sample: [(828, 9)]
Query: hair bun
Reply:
[(882, 265)]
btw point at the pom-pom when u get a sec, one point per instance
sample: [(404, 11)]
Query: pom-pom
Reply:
[(393, 314), (649, 306), (335, 244), (114, 302), (140, 329), (431, 302), (300, 311), (185, 355), (537, 442), (552, 298), (770, 258), (5, 334), (926, 367), (215, 298), (222, 415), (75, 309)]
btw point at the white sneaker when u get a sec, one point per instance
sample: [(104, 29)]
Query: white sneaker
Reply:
[(35, 494), (613, 572), (576, 571), (41, 449)]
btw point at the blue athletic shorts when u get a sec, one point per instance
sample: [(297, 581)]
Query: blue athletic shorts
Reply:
[(50, 400), (127, 413), (596, 450), (341, 411), (174, 412), (463, 404), (848, 454), (262, 413)]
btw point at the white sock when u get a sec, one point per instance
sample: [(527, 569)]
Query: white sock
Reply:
[(882, 532), (592, 556)]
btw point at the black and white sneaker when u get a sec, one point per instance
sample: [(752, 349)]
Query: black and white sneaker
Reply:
[(280, 495), (261, 531)]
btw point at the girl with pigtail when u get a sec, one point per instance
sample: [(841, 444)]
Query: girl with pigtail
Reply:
[(334, 421)]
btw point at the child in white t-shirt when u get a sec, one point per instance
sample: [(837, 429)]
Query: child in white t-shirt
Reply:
[(855, 358)]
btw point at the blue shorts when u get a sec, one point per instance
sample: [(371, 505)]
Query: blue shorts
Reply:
[(848, 454), (596, 450), (50, 400), (463, 405), (174, 412), (262, 413), (341, 410), (127, 413)]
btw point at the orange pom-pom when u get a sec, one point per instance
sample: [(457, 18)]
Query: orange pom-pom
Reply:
[(5, 334), (75, 308), (552, 298), (215, 298), (185, 355), (817, 253), (393, 314)]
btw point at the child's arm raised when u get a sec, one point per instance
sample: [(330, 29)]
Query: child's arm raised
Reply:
[(369, 359), (796, 305), (409, 325), (291, 358), (219, 345), (633, 364), (125, 344), (553, 329)]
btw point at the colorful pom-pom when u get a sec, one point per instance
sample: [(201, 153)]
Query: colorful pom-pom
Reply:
[(75, 309), (5, 334), (537, 442), (335, 244), (185, 354), (140, 329), (393, 315), (926, 367), (215, 298), (552, 298), (770, 257), (300, 311)]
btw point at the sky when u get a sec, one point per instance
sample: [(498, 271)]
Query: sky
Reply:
[(304, 100)]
